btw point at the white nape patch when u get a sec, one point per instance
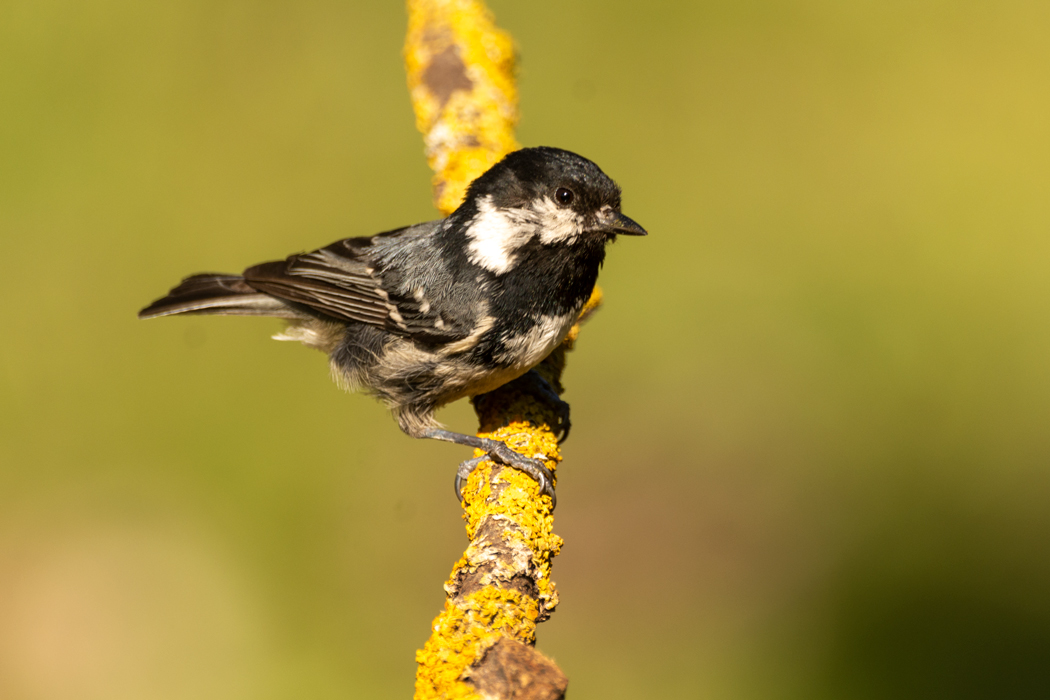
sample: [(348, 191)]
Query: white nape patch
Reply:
[(496, 234), (528, 349), (557, 224)]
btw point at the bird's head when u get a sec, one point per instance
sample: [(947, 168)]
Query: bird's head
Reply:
[(548, 194)]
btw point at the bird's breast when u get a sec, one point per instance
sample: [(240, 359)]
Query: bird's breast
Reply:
[(526, 348)]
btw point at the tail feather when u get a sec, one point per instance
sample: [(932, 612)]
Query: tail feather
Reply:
[(212, 293)]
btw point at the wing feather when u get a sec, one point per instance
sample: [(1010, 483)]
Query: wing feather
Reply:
[(345, 280), (347, 302)]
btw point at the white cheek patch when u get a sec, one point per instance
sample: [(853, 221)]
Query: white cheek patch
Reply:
[(557, 224), (529, 348), (495, 236)]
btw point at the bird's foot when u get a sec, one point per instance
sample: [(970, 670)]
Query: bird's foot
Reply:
[(542, 389), (500, 452)]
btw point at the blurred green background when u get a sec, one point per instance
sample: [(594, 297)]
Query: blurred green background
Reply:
[(812, 422)]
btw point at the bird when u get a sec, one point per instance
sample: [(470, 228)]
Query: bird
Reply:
[(424, 315)]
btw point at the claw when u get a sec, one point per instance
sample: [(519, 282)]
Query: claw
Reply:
[(565, 426), (464, 471), (533, 467), (542, 389)]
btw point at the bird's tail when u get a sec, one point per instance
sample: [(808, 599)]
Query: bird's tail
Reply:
[(227, 295)]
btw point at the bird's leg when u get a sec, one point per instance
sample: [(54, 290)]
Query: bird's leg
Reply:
[(497, 452), (543, 390)]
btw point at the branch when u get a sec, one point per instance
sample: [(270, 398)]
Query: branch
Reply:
[(461, 77), (462, 82)]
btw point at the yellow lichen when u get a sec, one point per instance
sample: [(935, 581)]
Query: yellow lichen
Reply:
[(588, 309), (464, 631), (462, 81), (520, 503)]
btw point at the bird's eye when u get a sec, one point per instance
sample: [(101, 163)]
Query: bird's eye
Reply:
[(564, 196)]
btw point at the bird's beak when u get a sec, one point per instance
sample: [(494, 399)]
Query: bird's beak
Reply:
[(615, 222)]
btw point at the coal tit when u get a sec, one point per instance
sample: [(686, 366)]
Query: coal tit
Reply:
[(427, 314)]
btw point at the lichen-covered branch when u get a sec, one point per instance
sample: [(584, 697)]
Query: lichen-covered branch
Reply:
[(461, 77), (462, 80)]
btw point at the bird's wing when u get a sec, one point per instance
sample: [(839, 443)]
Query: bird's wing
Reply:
[(344, 280)]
